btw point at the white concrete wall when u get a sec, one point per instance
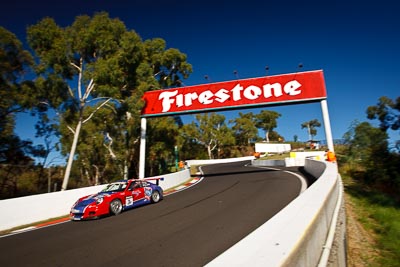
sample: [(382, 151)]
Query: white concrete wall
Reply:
[(20, 211), (299, 158), (195, 162), (317, 155), (26, 210), (173, 179), (272, 147)]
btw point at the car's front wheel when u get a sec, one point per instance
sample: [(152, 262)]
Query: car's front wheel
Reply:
[(155, 196), (116, 207)]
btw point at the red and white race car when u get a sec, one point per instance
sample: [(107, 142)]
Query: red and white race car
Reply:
[(116, 197)]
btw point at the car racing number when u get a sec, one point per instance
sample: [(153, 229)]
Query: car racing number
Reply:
[(129, 201)]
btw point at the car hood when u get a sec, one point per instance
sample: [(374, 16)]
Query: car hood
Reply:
[(92, 198)]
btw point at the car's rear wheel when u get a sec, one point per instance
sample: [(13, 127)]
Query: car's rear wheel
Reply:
[(155, 196), (116, 207)]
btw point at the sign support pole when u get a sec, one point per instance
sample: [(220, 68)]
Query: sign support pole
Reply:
[(327, 125), (142, 156)]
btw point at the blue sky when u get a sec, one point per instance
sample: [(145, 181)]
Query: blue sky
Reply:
[(355, 43)]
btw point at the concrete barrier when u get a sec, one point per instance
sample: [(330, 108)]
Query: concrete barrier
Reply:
[(215, 161), (174, 179), (317, 155), (30, 209), (268, 162), (21, 211)]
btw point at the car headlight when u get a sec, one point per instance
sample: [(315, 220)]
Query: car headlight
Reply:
[(99, 200)]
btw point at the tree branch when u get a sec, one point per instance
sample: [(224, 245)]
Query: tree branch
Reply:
[(113, 156), (99, 107), (76, 66), (70, 91), (72, 130), (89, 89)]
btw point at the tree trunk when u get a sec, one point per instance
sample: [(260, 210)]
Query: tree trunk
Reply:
[(71, 155), (209, 152), (267, 136)]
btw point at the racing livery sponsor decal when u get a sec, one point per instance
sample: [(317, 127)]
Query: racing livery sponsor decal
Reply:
[(147, 192), (262, 91)]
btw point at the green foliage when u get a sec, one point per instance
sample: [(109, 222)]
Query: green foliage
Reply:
[(167, 64), (112, 68), (387, 111), (211, 132), (311, 127), (163, 133), (375, 176), (380, 214), (16, 95), (244, 128), (367, 147), (15, 91), (266, 120)]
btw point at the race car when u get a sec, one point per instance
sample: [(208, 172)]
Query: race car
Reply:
[(117, 197)]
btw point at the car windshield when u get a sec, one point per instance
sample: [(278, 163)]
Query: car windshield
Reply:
[(117, 186)]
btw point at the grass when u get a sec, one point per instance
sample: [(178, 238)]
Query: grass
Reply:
[(380, 215)]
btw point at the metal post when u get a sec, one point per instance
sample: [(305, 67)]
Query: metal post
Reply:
[(142, 155), (327, 125), (176, 158)]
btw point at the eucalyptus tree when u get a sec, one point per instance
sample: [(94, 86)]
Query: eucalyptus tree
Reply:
[(387, 111), (163, 133), (311, 127), (101, 147), (211, 131), (367, 147), (266, 120), (245, 128), (17, 95), (16, 92), (96, 64)]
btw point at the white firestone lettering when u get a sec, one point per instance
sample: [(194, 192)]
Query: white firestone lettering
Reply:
[(179, 100), (236, 92), (206, 97), (189, 97), (166, 99), (222, 95), (291, 88), (252, 92), (269, 87)]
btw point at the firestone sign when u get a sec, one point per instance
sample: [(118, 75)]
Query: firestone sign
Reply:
[(248, 93)]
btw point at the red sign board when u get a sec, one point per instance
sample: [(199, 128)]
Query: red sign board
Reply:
[(246, 93)]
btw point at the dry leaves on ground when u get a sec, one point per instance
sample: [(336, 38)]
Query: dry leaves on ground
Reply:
[(361, 243)]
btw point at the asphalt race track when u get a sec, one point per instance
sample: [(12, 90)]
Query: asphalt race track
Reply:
[(188, 228)]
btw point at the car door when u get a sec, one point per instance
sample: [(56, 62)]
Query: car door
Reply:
[(137, 194)]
